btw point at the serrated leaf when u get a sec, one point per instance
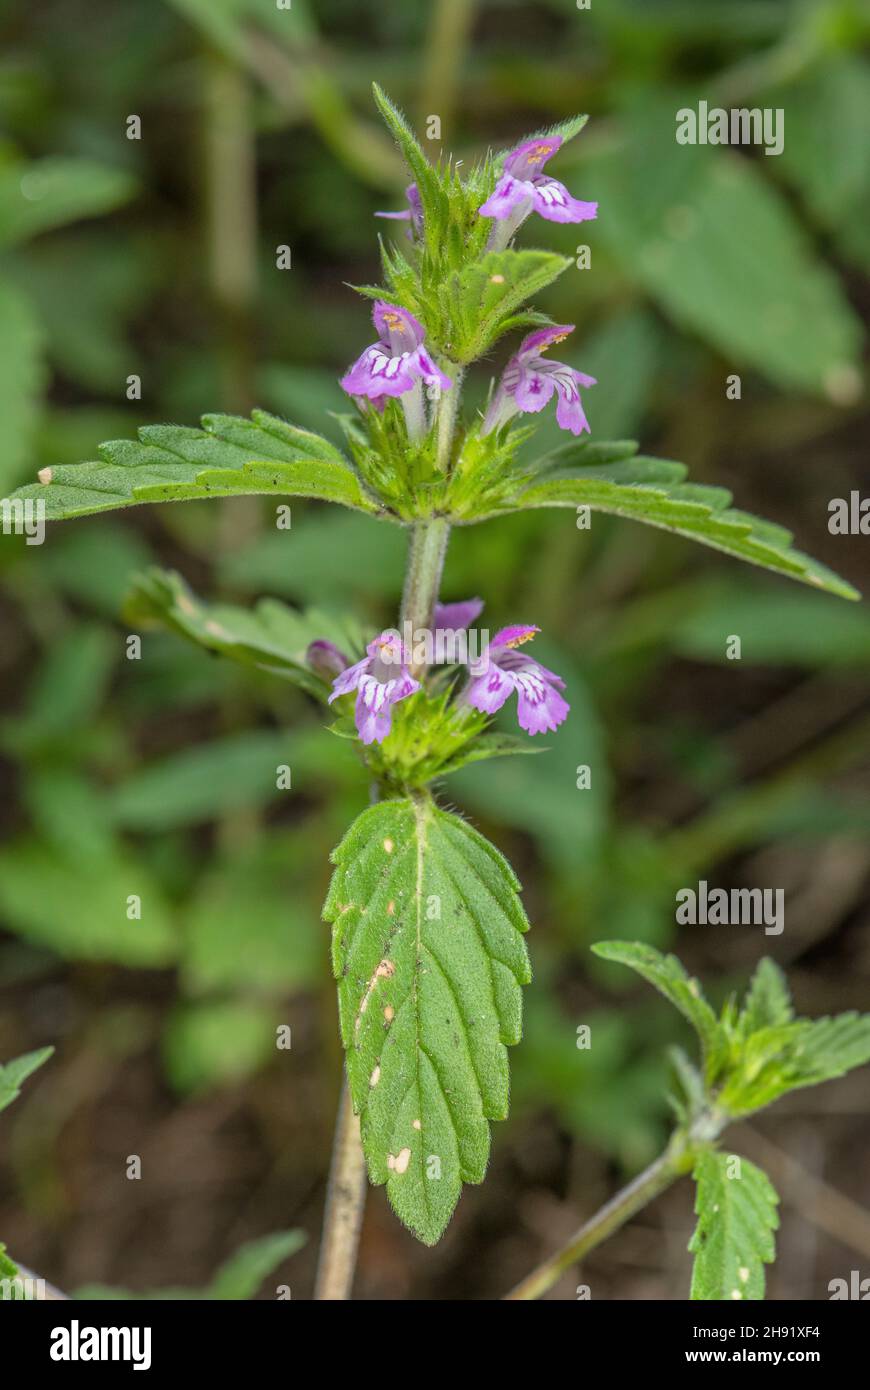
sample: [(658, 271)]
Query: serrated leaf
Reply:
[(485, 294), (15, 1073), (433, 198), (776, 1060), (653, 491), (830, 1047), (229, 457), (768, 999), (733, 1239), (489, 745), (671, 979), (271, 637), (429, 954)]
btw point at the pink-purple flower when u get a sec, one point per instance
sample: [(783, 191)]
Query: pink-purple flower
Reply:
[(529, 381), (413, 213), (540, 707), (524, 188), (325, 659), (380, 679), (456, 617), (397, 362)]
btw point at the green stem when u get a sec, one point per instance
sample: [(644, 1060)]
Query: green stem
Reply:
[(448, 407), (345, 1204), (347, 1179), (669, 1166), (423, 576)]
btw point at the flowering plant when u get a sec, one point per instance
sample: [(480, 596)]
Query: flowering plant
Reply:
[(428, 929)]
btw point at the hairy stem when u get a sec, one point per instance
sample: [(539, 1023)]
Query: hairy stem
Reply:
[(346, 1197), (423, 577), (447, 410), (345, 1202), (647, 1185)]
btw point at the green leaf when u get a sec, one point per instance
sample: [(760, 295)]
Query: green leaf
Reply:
[(80, 909), (786, 1057), (14, 1074), (433, 198), (485, 294), (489, 745), (231, 773), (733, 1239), (829, 1047), (718, 247), (21, 380), (243, 1273), (273, 637), (238, 1279), (826, 154), (228, 457), (429, 954), (365, 559), (252, 922), (67, 691), (216, 1043), (653, 491), (51, 192), (8, 1269), (778, 627), (625, 354), (768, 999), (670, 977)]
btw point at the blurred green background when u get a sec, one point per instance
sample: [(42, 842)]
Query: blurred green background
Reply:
[(156, 257)]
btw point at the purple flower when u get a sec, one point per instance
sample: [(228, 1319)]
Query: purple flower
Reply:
[(381, 679), (540, 707), (413, 213), (325, 659), (397, 362), (456, 617), (529, 380), (523, 188)]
